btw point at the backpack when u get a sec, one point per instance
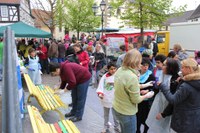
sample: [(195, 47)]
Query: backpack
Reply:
[(155, 48)]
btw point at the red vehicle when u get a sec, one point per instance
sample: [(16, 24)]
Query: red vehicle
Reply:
[(115, 39)]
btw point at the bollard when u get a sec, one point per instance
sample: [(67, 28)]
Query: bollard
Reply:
[(11, 117)]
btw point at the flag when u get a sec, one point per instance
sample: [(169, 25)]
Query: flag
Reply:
[(20, 88)]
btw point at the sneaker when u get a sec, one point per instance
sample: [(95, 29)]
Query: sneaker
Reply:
[(70, 105), (75, 119), (69, 114)]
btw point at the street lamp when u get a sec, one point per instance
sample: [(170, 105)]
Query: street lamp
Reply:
[(103, 7)]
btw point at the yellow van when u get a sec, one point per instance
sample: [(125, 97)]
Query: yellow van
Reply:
[(162, 40)]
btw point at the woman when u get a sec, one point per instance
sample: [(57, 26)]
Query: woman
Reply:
[(42, 53), (76, 78), (99, 61), (180, 52), (127, 92), (186, 113), (82, 55), (160, 107), (144, 107), (71, 55)]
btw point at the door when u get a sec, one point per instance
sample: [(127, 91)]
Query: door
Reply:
[(163, 43)]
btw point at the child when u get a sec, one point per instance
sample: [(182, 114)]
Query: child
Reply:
[(105, 92), (158, 73), (33, 66), (143, 108)]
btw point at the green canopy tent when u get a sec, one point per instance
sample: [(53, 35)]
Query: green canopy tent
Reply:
[(23, 30)]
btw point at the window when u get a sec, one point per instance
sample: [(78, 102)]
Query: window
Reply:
[(160, 38), (4, 11)]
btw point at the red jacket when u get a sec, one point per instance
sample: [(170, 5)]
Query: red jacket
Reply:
[(73, 74), (83, 58), (43, 55)]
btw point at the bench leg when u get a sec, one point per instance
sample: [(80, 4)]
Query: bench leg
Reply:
[(62, 117), (42, 112), (29, 99)]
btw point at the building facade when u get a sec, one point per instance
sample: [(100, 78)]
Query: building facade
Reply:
[(43, 20), (12, 11)]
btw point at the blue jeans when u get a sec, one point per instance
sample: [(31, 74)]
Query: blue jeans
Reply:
[(60, 60), (79, 95), (55, 60), (127, 122)]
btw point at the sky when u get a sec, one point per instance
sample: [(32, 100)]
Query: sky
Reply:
[(191, 4)]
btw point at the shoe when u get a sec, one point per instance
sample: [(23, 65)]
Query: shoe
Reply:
[(105, 131), (70, 105), (69, 114), (75, 119)]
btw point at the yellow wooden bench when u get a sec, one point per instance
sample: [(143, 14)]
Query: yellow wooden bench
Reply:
[(45, 96), (40, 126)]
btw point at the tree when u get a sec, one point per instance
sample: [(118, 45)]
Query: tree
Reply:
[(46, 11), (146, 13), (79, 15)]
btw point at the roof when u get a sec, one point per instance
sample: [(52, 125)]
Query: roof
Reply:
[(132, 31), (10, 2), (23, 30), (177, 19), (196, 13)]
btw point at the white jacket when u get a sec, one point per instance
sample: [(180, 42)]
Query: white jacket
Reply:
[(106, 88)]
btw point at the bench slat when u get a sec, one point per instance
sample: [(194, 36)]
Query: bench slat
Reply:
[(67, 126), (72, 126), (29, 85), (33, 122), (41, 124), (62, 127), (53, 128), (51, 94), (42, 100), (58, 129), (48, 97), (50, 129)]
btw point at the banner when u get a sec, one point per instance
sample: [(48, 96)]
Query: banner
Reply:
[(113, 45)]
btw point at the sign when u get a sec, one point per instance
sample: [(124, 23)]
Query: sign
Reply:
[(113, 45)]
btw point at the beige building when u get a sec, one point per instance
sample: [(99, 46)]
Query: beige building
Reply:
[(44, 22), (113, 21)]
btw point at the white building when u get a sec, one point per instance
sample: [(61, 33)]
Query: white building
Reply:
[(12, 11)]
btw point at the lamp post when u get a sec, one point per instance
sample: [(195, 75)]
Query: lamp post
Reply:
[(103, 7)]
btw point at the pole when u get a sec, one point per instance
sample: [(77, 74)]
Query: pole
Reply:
[(102, 23), (11, 119)]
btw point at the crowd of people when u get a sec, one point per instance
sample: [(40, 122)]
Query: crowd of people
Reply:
[(140, 88)]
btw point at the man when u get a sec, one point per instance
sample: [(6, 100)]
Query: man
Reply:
[(121, 57), (76, 78), (53, 52)]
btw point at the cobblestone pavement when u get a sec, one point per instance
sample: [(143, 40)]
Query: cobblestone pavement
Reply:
[(93, 116), (92, 120)]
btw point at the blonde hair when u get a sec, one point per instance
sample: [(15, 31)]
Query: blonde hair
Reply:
[(192, 64), (132, 59), (101, 49), (178, 47)]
